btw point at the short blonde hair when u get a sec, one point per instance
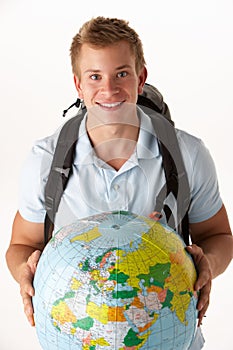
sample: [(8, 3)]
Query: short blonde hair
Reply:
[(102, 32)]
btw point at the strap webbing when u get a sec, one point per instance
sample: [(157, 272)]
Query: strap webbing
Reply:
[(60, 171), (175, 174)]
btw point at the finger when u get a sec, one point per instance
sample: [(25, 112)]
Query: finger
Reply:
[(203, 283), (202, 266), (26, 279), (28, 310), (204, 296), (27, 292), (203, 301), (204, 279), (27, 302), (155, 215), (202, 314), (33, 260), (196, 252)]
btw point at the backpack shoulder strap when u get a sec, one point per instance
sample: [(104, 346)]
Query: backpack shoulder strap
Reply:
[(60, 170), (175, 174)]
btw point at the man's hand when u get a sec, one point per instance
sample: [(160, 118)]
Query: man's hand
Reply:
[(26, 284), (204, 280), (22, 256), (212, 251)]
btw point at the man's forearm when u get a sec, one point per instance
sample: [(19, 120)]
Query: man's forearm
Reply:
[(219, 252)]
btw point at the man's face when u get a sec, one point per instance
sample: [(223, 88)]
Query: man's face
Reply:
[(107, 77)]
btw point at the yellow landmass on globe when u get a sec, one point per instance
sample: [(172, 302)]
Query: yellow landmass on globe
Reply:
[(62, 313), (95, 275), (87, 236), (181, 283), (99, 341), (93, 342), (140, 261), (164, 238), (100, 313), (180, 304), (183, 278), (75, 284)]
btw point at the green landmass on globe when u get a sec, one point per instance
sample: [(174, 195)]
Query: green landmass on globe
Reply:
[(115, 281)]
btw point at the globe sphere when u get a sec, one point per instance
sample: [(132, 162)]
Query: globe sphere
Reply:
[(115, 281)]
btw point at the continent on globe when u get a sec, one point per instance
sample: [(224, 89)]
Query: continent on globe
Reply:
[(115, 281)]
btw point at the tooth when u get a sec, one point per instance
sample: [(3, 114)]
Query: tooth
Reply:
[(110, 104)]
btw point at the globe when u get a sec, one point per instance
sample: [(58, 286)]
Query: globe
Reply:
[(115, 281)]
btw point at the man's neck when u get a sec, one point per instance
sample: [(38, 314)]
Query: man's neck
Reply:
[(114, 143)]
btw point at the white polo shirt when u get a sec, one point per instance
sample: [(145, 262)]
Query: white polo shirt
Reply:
[(95, 187)]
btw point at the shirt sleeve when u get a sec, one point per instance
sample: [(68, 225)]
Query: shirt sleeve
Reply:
[(33, 178), (204, 189)]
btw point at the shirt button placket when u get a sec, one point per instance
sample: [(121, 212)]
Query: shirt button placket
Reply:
[(116, 187)]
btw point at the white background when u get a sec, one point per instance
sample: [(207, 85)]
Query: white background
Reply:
[(189, 52)]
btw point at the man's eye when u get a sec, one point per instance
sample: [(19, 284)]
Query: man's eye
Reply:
[(95, 77), (122, 74)]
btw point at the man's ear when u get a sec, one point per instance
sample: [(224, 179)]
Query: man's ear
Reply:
[(78, 87), (142, 79)]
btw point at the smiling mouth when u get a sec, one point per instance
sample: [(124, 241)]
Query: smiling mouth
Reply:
[(110, 105)]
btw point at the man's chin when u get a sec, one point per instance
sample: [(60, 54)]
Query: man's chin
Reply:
[(124, 113)]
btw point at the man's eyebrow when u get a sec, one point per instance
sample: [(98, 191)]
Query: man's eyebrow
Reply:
[(99, 70), (92, 71), (123, 67)]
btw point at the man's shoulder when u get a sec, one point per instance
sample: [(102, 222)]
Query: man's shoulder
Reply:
[(195, 153), (187, 135), (47, 143), (188, 140)]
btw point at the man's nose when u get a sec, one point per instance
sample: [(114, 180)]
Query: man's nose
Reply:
[(109, 87)]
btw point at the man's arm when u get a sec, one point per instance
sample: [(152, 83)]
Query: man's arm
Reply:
[(22, 256), (212, 250)]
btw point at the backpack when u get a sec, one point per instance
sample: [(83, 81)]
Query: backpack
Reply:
[(152, 103)]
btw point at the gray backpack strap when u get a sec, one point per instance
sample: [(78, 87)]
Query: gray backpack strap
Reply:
[(60, 170), (175, 174)]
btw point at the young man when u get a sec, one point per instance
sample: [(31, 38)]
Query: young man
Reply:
[(117, 165)]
